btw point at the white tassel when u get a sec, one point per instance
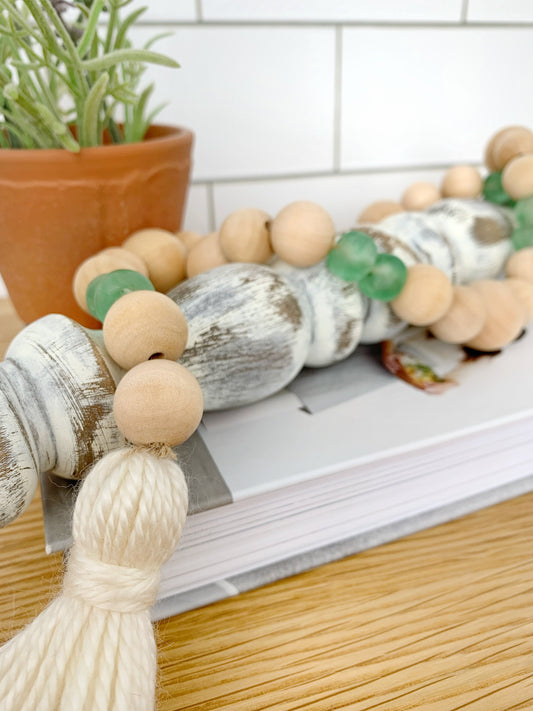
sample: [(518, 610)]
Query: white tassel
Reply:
[(93, 648)]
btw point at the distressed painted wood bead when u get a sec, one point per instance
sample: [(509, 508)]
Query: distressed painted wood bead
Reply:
[(462, 181), (108, 260), (103, 291), (144, 325), (302, 233), (189, 239), (523, 291), (509, 143), (163, 254), (205, 255), (520, 264), (425, 297), (505, 316), (420, 196), (377, 211), (158, 401), (464, 319), (245, 236), (517, 177)]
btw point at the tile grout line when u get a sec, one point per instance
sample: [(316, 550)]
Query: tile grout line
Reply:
[(337, 100), (329, 24), (211, 217), (464, 12), (199, 11)]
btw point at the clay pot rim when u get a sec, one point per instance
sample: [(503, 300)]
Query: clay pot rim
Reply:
[(156, 135)]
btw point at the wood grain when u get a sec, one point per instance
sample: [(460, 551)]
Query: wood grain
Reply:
[(438, 621)]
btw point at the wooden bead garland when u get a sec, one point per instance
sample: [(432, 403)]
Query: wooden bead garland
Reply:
[(517, 177), (464, 319), (520, 265), (245, 236), (505, 316), (426, 296), (419, 196), (507, 144), (377, 211), (205, 255), (189, 239), (302, 234), (462, 181), (163, 254)]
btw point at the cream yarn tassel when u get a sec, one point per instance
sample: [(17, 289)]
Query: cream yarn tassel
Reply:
[(93, 648)]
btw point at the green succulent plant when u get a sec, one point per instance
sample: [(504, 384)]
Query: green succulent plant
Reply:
[(69, 75)]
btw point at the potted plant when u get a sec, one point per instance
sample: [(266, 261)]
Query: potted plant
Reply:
[(81, 165)]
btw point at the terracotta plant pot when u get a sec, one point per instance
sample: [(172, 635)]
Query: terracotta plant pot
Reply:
[(57, 208)]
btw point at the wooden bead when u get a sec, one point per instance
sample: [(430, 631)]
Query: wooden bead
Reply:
[(143, 325), (517, 177), (205, 255), (419, 196), (462, 181), (520, 264), (163, 254), (509, 143), (523, 291), (245, 236), (464, 319), (378, 211), (302, 233), (505, 316), (426, 296), (108, 260), (158, 401), (189, 239)]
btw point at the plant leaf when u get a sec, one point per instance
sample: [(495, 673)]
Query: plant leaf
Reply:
[(90, 122), (128, 55)]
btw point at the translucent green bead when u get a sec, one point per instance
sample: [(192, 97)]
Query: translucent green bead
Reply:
[(524, 212), (493, 190), (105, 289), (353, 256), (522, 237), (386, 280)]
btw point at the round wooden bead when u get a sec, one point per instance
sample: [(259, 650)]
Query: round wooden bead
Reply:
[(464, 319), (517, 177), (158, 401), (505, 316), (245, 236), (520, 264), (462, 181), (378, 211), (144, 325), (189, 239), (426, 296), (523, 291), (420, 195), (108, 260), (163, 254), (302, 233), (509, 143), (205, 255)]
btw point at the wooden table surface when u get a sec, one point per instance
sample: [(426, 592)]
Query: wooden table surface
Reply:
[(441, 620)]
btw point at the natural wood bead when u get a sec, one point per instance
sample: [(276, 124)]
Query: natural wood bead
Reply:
[(509, 143), (419, 196), (163, 254), (189, 239), (378, 211), (142, 325), (245, 236), (108, 260), (464, 319), (520, 264), (462, 181), (426, 296), (205, 255), (505, 316), (158, 401), (523, 291), (517, 177), (302, 233)]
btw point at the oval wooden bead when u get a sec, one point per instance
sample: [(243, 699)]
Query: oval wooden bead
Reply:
[(143, 325), (425, 297), (509, 143), (464, 319), (205, 255), (419, 196), (163, 254), (462, 181), (517, 177), (523, 291), (245, 236), (108, 260), (189, 239), (505, 316), (158, 401), (520, 264), (302, 233), (377, 211)]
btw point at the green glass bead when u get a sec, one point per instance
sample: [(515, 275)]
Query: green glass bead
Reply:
[(522, 237), (386, 280), (524, 212), (353, 256), (105, 289), (493, 190)]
